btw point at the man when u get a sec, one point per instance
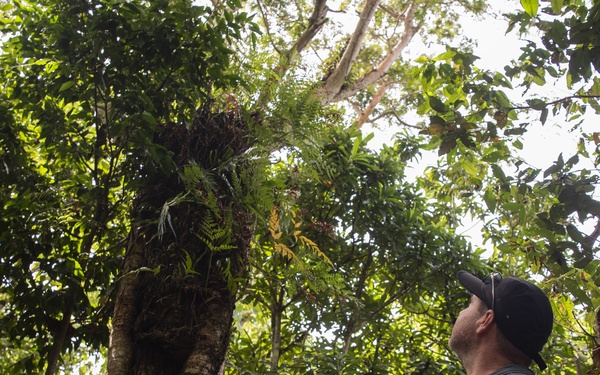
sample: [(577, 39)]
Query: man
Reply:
[(506, 324)]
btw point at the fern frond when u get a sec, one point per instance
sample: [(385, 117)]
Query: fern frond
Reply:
[(286, 252), (315, 249), (196, 178), (274, 224), (215, 237)]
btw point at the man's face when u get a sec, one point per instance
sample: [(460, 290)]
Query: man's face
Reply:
[(463, 337)]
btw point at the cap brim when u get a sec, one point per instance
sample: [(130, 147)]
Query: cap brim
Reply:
[(538, 359), (472, 283)]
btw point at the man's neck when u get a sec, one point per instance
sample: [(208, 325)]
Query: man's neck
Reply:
[(485, 363)]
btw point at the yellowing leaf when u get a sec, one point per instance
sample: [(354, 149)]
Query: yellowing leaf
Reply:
[(313, 246), (275, 235), (286, 252), (469, 168), (274, 219)]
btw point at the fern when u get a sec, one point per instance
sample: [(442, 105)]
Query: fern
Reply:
[(285, 251), (315, 249), (216, 238), (196, 178), (188, 264)]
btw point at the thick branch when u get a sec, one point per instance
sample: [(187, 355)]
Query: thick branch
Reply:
[(364, 116), (276, 315), (337, 78), (315, 23), (409, 32), (60, 338)]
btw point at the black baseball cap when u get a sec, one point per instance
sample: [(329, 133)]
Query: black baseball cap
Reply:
[(522, 311)]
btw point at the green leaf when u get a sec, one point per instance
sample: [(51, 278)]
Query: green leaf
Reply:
[(498, 172), (502, 100), (556, 6), (518, 144), (575, 234), (544, 116), (490, 200), (536, 104), (552, 169), (469, 168), (149, 118), (355, 146), (437, 105), (67, 85), (530, 6)]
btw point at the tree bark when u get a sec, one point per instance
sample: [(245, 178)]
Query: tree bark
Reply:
[(276, 313), (174, 307), (121, 344), (336, 91), (337, 78), (315, 23), (210, 348), (60, 338), (364, 116)]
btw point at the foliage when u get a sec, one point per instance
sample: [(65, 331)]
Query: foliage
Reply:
[(391, 254), (85, 86), (545, 218), (120, 118)]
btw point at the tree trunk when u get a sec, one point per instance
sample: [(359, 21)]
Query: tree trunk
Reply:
[(60, 337), (120, 348), (189, 243), (276, 313)]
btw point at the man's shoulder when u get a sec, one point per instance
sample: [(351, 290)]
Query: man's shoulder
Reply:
[(513, 370)]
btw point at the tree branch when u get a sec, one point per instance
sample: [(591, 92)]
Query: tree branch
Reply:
[(121, 342), (316, 22), (560, 101), (266, 21), (337, 78), (395, 113), (353, 324), (368, 79), (364, 116), (60, 337)]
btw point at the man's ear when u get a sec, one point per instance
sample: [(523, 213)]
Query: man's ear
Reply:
[(485, 322)]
